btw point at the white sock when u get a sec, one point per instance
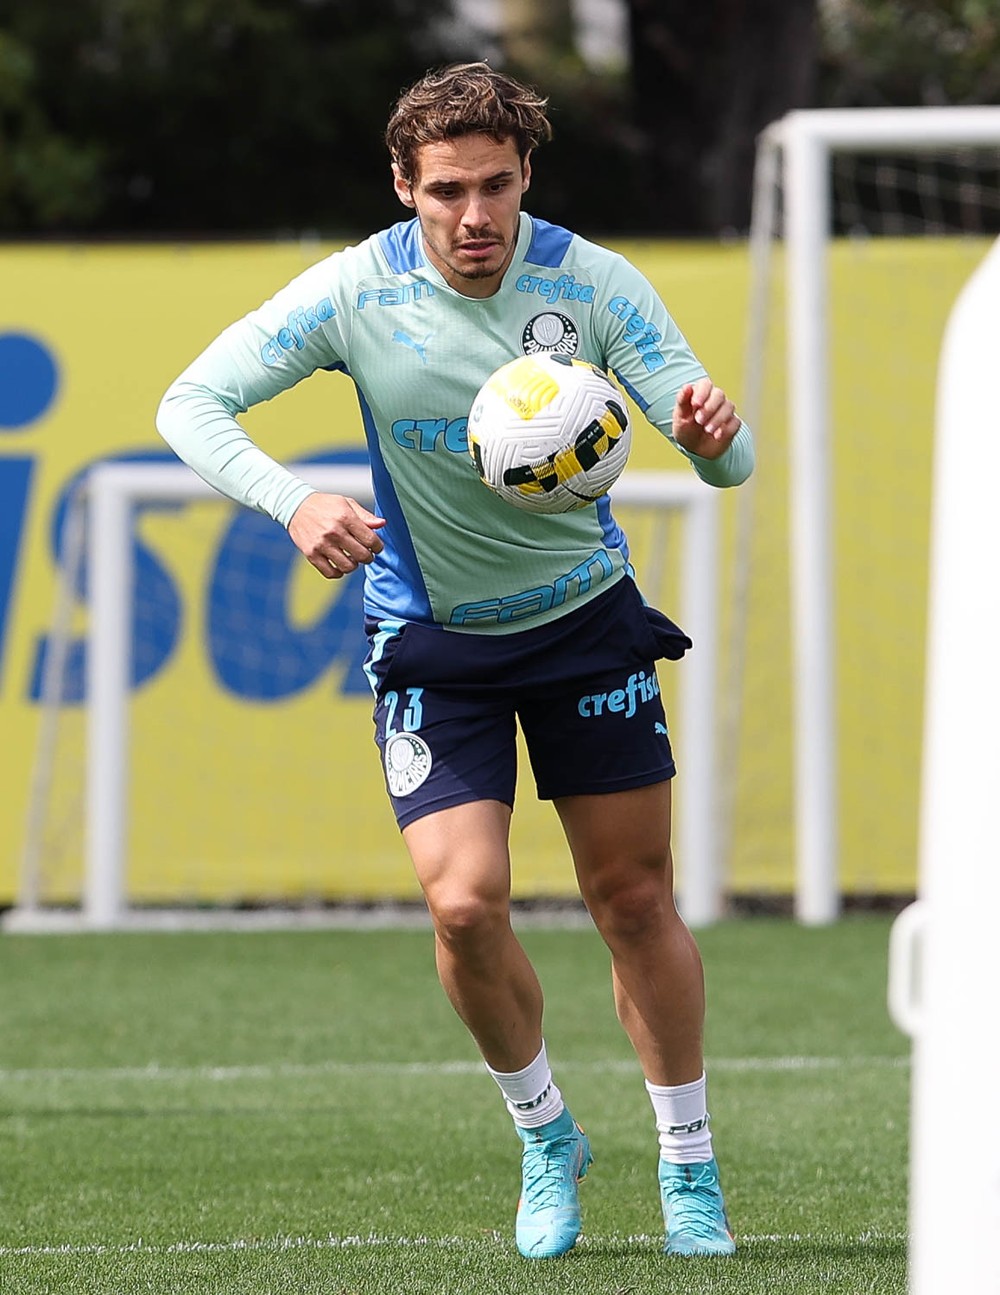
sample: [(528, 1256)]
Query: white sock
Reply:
[(531, 1096), (682, 1122)]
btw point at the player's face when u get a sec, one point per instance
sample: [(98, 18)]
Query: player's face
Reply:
[(467, 195)]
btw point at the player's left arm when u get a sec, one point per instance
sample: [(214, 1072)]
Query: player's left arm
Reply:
[(705, 421), (652, 359)]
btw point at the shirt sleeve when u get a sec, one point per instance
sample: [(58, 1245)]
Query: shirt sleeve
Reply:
[(296, 332), (652, 359), (731, 468)]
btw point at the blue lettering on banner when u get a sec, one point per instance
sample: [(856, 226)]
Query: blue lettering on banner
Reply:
[(29, 380), (400, 295), (256, 652), (638, 688), (15, 486), (156, 606), (645, 337), (530, 602), (301, 321), (254, 649), (426, 434), (565, 288)]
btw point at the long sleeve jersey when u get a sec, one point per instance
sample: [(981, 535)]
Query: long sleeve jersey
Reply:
[(417, 350)]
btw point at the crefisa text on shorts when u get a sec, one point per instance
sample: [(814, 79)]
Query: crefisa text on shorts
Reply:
[(638, 688)]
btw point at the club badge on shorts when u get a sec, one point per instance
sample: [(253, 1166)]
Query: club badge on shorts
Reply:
[(407, 763)]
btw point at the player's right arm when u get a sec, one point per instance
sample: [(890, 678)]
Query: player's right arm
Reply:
[(336, 533), (296, 332)]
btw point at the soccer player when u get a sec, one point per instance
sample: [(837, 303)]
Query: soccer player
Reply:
[(480, 615)]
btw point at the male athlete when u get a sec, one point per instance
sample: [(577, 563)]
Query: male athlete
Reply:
[(479, 614)]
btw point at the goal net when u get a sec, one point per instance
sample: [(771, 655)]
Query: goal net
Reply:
[(206, 741), (866, 225)]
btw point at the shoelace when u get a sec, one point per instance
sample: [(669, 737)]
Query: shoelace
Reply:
[(694, 1204), (546, 1170)]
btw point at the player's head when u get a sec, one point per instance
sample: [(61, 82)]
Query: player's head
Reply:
[(461, 142), (464, 99)]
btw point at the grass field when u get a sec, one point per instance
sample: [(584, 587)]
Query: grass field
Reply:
[(300, 1112)]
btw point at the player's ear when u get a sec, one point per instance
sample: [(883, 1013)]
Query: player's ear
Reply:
[(404, 190), (526, 173)]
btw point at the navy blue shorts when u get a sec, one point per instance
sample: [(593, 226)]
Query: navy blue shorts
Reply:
[(583, 689)]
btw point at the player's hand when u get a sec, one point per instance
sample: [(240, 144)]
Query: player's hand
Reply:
[(705, 420), (335, 533)]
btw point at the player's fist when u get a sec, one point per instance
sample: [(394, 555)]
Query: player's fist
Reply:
[(705, 420), (335, 533)]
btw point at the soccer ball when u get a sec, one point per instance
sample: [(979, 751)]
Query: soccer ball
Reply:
[(549, 433)]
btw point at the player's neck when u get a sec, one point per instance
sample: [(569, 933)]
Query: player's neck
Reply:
[(470, 285)]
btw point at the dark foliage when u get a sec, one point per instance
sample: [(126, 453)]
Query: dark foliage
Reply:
[(143, 118), (209, 116)]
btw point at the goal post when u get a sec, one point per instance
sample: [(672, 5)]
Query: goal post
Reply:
[(110, 496), (796, 204), (112, 491)]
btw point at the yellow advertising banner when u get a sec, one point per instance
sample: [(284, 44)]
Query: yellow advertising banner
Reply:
[(252, 772), (252, 775)]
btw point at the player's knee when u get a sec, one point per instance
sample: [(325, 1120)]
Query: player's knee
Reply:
[(464, 921), (631, 906)]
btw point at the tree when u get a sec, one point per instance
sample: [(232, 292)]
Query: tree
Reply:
[(45, 177), (533, 31), (706, 79), (911, 52), (213, 116), (241, 117)]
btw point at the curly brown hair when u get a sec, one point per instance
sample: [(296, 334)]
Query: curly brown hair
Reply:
[(464, 99)]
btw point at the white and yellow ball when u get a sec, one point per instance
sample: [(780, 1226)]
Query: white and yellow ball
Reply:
[(549, 433)]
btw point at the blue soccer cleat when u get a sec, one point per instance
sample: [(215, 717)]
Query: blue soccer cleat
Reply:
[(554, 1160), (693, 1210)]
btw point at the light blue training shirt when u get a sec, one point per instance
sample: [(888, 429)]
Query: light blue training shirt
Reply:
[(455, 555)]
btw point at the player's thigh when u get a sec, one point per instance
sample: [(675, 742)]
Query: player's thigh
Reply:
[(620, 842), (461, 858), (443, 747), (597, 734)]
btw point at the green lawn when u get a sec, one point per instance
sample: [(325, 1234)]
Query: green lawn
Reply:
[(300, 1112)]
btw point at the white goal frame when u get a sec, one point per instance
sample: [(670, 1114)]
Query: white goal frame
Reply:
[(801, 145), (110, 492)]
